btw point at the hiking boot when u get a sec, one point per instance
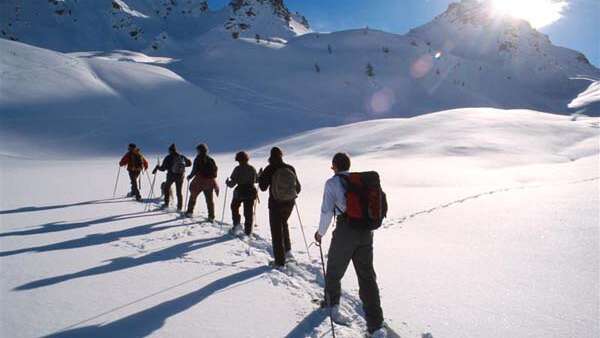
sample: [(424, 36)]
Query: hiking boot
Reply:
[(188, 214), (130, 194), (339, 317), (164, 207), (381, 333), (237, 230), (289, 256), (138, 198)]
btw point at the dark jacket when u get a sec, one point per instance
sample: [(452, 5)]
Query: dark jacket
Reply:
[(244, 176), (264, 180), (167, 164), (205, 166)]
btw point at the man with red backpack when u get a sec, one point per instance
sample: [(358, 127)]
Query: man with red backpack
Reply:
[(281, 180), (359, 206), (135, 162)]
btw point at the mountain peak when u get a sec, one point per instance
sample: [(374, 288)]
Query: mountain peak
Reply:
[(255, 18)]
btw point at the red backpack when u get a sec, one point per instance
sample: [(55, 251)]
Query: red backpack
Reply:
[(366, 203)]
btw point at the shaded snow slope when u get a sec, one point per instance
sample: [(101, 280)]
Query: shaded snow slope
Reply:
[(83, 104)]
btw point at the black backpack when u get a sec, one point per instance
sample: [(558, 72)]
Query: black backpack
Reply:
[(209, 169), (178, 165)]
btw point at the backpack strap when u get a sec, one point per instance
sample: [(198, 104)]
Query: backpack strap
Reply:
[(345, 183)]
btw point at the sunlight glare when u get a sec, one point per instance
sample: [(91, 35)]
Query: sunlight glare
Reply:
[(538, 13)]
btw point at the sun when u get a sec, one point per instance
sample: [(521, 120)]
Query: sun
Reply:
[(538, 13)]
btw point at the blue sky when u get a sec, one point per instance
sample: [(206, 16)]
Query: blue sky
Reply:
[(579, 28)]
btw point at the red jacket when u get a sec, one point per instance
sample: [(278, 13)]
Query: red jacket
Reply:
[(127, 161)]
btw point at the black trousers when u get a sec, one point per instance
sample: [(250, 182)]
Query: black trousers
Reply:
[(210, 204), (133, 177), (178, 180), (350, 244), (248, 213), (279, 213)]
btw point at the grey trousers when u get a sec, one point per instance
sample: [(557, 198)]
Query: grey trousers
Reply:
[(349, 244)]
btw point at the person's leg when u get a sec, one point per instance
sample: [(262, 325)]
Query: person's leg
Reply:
[(167, 191), (248, 216), (210, 204), (235, 211), (277, 235), (178, 188), (286, 211), (339, 256), (367, 282), (134, 175), (192, 202)]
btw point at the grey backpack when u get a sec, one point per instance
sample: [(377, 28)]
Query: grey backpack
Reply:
[(178, 166), (283, 185)]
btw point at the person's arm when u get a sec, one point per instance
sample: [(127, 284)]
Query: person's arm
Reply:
[(124, 160), (298, 186), (233, 179), (195, 168), (327, 208), (145, 163), (165, 164), (264, 180)]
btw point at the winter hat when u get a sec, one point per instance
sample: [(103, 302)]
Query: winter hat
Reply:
[(242, 157), (276, 152), (132, 145), (202, 147), (173, 148)]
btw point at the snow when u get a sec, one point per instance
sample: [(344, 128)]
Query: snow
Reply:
[(588, 97), (498, 238)]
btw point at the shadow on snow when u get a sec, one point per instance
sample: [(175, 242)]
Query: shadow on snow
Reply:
[(143, 323), (123, 263)]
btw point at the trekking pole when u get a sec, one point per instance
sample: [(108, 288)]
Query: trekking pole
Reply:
[(187, 194), (224, 204), (325, 292), (302, 228), (151, 192), (117, 182), (254, 213)]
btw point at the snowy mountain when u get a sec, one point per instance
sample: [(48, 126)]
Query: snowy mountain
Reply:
[(71, 25), (262, 74)]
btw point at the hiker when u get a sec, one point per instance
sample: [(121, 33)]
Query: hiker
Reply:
[(174, 164), (135, 162), (204, 174), (351, 241), (243, 178), (281, 180)]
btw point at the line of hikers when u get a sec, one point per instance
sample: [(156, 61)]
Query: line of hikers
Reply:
[(354, 200)]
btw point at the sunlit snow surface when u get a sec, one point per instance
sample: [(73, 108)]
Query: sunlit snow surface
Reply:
[(492, 231)]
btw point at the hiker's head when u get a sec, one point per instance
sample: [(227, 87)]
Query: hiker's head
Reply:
[(172, 149), (242, 157), (276, 155), (131, 146), (340, 162), (202, 149)]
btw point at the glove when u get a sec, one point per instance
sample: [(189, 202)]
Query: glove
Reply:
[(318, 237), (154, 171)]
